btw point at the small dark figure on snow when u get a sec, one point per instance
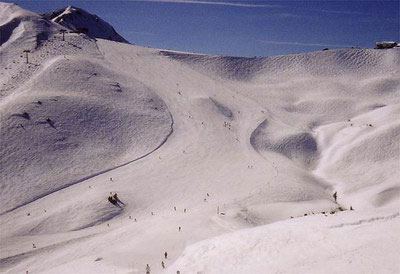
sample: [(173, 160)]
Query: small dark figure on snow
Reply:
[(179, 229), (335, 196), (113, 201), (147, 269), (162, 264), (115, 196), (175, 208), (184, 211), (166, 255)]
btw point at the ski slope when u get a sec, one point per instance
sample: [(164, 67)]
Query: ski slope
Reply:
[(229, 164)]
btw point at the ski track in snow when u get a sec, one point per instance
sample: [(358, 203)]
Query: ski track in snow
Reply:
[(375, 219)]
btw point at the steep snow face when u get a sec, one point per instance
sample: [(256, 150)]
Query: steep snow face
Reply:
[(81, 21)]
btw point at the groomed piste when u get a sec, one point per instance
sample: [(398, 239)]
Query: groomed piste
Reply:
[(228, 164)]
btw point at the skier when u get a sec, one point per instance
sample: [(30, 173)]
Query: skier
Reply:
[(115, 196), (113, 201), (166, 255), (335, 196), (162, 264), (147, 269), (179, 229)]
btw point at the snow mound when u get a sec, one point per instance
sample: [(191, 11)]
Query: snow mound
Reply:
[(78, 20), (73, 120), (214, 106), (19, 26), (298, 246), (301, 146), (355, 147)]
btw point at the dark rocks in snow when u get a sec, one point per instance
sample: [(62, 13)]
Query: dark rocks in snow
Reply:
[(24, 115)]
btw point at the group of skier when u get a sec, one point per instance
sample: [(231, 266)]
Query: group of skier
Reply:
[(162, 265), (113, 198)]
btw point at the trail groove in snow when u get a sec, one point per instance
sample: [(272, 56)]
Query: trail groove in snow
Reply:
[(371, 220)]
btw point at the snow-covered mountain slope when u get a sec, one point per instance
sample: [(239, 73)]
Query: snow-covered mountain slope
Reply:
[(21, 26), (73, 120), (228, 164), (78, 20), (20, 30)]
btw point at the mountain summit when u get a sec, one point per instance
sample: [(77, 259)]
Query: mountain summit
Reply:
[(79, 20)]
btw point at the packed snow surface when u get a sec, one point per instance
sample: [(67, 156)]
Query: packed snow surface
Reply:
[(227, 164)]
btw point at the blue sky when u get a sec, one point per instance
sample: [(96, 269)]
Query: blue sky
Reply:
[(244, 28)]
